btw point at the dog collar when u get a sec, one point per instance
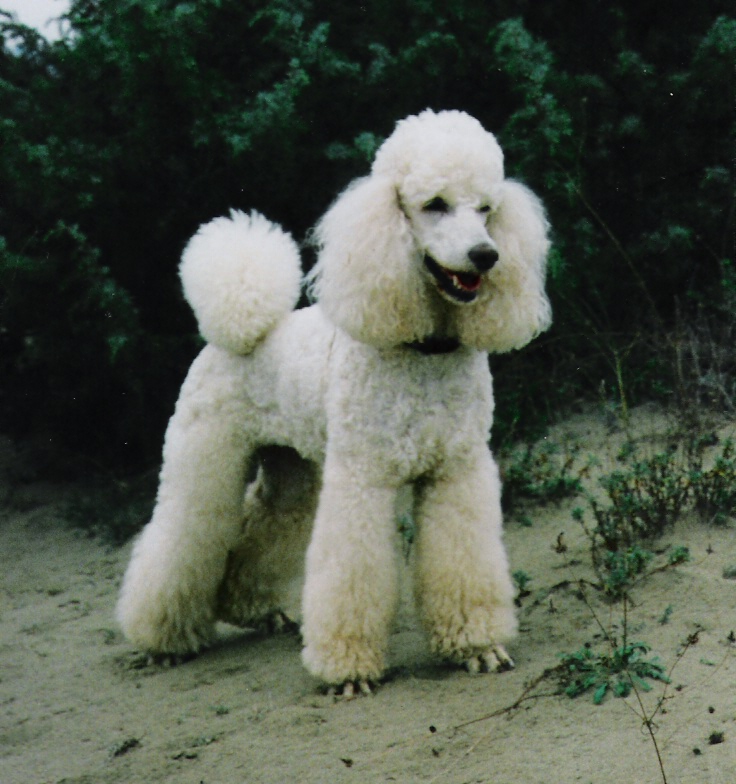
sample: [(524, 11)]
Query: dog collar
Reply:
[(434, 345)]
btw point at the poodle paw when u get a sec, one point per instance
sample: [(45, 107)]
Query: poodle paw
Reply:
[(494, 659), (279, 623), (169, 659), (140, 660), (351, 689)]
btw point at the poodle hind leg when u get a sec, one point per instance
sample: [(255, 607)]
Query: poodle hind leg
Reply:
[(168, 596), (265, 566), (462, 579)]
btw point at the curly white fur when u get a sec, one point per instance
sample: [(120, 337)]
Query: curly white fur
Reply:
[(241, 276), (295, 432), (381, 302)]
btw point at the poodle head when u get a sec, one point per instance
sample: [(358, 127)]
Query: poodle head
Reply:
[(435, 243)]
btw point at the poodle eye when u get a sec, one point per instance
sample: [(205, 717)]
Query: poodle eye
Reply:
[(438, 204)]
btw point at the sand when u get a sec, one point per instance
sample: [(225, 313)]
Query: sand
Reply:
[(78, 705)]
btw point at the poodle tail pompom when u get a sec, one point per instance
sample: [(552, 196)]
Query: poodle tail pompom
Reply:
[(241, 275)]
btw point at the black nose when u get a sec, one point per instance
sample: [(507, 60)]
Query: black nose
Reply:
[(483, 256)]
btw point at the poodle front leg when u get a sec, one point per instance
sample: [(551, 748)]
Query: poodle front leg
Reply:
[(167, 601), (463, 584), (351, 589)]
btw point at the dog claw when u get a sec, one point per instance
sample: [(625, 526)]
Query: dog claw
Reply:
[(351, 689), (495, 659), (168, 659), (280, 623)]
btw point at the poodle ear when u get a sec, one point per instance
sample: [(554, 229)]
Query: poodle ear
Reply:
[(365, 278), (516, 309)]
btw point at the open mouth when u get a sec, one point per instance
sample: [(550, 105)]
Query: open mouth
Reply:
[(460, 286)]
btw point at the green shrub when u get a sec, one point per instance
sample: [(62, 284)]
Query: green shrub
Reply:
[(153, 116), (645, 500), (620, 568), (538, 473), (713, 489), (521, 580)]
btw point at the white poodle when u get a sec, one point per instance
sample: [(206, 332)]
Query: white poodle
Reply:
[(295, 431)]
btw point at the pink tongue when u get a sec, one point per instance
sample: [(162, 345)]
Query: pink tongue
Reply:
[(466, 282)]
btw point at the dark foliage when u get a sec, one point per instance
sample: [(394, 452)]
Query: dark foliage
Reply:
[(152, 116)]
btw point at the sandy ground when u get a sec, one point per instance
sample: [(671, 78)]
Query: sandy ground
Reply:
[(79, 706)]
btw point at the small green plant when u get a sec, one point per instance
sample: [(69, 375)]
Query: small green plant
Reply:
[(619, 569), (678, 555), (645, 500), (539, 473), (649, 496), (622, 669), (713, 489), (521, 580)]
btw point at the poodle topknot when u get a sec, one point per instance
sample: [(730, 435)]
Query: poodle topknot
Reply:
[(298, 434), (437, 184)]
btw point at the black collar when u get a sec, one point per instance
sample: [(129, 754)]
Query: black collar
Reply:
[(435, 345)]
